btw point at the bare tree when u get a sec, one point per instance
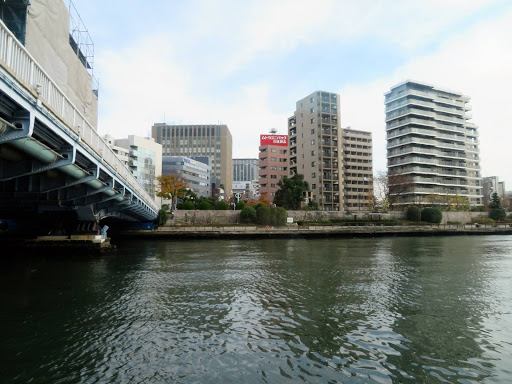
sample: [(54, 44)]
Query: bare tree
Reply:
[(391, 188)]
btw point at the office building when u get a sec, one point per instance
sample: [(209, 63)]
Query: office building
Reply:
[(144, 159), (212, 141), (195, 173), (246, 177), (315, 147), (492, 185), (357, 168), (431, 142), (273, 163)]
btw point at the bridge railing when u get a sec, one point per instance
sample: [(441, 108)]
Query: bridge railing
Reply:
[(31, 75)]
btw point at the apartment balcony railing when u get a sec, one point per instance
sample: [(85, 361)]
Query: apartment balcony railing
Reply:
[(436, 143), (14, 56), (412, 149)]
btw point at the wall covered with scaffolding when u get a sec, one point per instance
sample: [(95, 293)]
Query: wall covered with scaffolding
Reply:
[(49, 41)]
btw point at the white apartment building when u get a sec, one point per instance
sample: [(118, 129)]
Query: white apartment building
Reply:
[(431, 141)]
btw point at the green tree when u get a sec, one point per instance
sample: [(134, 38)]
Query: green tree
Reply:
[(497, 214), (188, 206), (432, 215), (495, 201), (263, 215), (240, 205), (162, 216), (248, 215), (278, 216), (221, 206), (204, 205), (413, 213), (290, 194)]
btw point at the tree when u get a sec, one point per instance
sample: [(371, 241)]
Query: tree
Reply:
[(497, 214), (291, 191), (432, 215), (204, 205), (495, 201), (458, 203), (221, 206), (171, 187), (392, 187), (413, 213), (248, 215)]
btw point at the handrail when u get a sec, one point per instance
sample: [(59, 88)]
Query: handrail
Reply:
[(29, 73)]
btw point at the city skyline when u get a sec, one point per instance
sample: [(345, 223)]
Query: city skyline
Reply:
[(201, 62)]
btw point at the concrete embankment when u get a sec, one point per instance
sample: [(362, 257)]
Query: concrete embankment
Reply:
[(212, 232)]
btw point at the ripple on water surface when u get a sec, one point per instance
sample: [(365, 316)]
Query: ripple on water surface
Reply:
[(381, 310)]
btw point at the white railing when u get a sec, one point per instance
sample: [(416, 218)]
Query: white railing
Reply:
[(30, 74)]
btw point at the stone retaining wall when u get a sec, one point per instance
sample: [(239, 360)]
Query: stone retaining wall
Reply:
[(233, 217)]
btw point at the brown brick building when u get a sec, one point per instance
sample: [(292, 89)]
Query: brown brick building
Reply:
[(273, 163)]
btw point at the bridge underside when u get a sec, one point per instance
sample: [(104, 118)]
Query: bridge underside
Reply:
[(46, 170)]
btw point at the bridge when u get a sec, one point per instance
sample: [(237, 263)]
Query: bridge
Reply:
[(53, 163)]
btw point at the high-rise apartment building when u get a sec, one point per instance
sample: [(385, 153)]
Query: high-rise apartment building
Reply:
[(315, 147), (431, 142), (213, 141), (273, 163), (357, 168)]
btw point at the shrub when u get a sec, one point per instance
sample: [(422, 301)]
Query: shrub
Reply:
[(413, 214), (482, 220), (497, 214), (432, 215), (263, 215), (478, 208), (278, 216), (258, 205), (162, 216), (248, 215), (221, 206), (204, 205), (188, 206), (454, 222), (240, 205)]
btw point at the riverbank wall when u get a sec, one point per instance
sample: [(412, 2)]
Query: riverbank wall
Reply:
[(211, 232), (199, 217)]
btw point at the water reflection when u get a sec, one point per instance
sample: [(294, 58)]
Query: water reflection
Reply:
[(358, 310)]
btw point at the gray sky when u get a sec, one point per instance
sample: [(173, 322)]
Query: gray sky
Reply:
[(246, 63)]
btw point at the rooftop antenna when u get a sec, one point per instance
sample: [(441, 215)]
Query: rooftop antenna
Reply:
[(273, 131)]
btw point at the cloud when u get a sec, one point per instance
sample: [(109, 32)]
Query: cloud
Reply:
[(475, 62), (195, 70)]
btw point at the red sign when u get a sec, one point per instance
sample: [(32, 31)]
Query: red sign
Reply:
[(280, 140)]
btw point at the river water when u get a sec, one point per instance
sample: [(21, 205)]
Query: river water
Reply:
[(430, 309)]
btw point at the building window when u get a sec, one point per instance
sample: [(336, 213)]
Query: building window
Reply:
[(282, 151), (313, 130), (311, 99), (313, 163), (312, 110), (313, 153), (273, 150), (273, 176), (312, 142), (313, 186), (273, 159), (313, 175)]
